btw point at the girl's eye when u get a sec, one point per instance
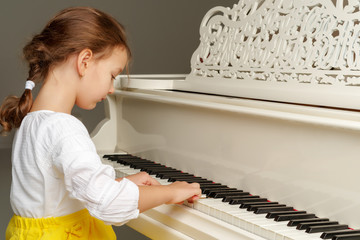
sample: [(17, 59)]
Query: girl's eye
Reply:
[(112, 77)]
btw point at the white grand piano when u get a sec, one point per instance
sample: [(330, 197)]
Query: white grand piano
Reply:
[(271, 107)]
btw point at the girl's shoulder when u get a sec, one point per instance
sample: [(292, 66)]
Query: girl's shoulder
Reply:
[(55, 122), (51, 116)]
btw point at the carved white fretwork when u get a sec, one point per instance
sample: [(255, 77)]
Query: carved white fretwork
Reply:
[(272, 49)]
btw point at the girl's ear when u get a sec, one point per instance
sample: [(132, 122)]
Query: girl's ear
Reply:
[(83, 60)]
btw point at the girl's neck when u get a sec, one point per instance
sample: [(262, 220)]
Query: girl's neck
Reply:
[(58, 92), (54, 98)]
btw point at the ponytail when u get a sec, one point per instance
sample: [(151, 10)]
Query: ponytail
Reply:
[(14, 109)]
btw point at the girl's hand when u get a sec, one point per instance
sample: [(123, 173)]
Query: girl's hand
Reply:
[(184, 191), (141, 179)]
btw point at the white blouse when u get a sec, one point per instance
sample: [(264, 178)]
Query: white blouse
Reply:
[(56, 171)]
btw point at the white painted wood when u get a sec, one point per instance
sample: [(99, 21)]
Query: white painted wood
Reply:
[(104, 135)]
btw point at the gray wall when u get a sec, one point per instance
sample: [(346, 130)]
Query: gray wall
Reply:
[(163, 35)]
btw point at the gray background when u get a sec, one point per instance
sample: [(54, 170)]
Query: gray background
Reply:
[(162, 34)]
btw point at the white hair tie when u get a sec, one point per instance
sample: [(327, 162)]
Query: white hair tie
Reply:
[(29, 84)]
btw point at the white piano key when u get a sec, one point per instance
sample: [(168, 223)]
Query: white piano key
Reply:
[(161, 181), (301, 235), (280, 232), (241, 219), (108, 162), (130, 171), (233, 213), (259, 225), (228, 216)]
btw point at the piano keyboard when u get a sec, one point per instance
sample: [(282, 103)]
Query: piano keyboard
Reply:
[(254, 214)]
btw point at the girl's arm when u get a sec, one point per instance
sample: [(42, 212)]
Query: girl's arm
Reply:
[(152, 194), (177, 192)]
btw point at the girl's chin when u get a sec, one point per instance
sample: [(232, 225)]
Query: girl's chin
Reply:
[(88, 107)]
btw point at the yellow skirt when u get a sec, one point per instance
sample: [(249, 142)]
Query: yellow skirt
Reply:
[(79, 225)]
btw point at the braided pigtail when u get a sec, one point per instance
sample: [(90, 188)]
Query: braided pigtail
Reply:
[(14, 109)]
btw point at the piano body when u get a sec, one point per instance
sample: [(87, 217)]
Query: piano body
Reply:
[(270, 107)]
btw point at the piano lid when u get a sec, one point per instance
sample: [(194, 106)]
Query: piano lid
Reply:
[(297, 51)]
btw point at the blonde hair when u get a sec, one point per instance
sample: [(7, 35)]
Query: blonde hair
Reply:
[(69, 32)]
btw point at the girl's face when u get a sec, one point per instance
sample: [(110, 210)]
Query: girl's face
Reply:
[(99, 78)]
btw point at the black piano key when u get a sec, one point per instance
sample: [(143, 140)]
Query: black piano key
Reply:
[(303, 226), (191, 180), (174, 175), (124, 156), (139, 165), (225, 192), (119, 156), (249, 199), (330, 234), (276, 214), (144, 163), (129, 159), (156, 171), (169, 175), (253, 208), (316, 229), (181, 177), (155, 167), (143, 167), (197, 181), (256, 207), (217, 190), (212, 185), (230, 196), (184, 177), (232, 193), (248, 204), (188, 179), (275, 209), (130, 162), (353, 236), (288, 217), (205, 188), (296, 222)]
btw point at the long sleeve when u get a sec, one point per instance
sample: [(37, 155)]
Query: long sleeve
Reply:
[(90, 181)]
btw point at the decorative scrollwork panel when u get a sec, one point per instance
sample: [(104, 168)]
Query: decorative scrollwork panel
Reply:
[(313, 42)]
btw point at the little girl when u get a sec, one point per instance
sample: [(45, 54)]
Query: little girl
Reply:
[(60, 189)]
